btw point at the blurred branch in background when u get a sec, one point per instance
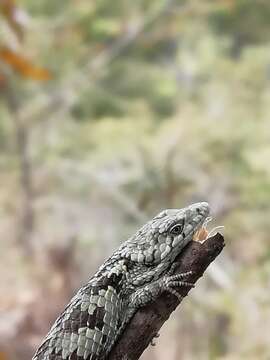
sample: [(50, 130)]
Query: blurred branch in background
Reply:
[(26, 212), (67, 95)]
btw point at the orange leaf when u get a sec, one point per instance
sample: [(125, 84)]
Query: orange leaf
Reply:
[(3, 355), (23, 66)]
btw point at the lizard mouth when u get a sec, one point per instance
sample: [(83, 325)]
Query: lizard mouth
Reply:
[(202, 233)]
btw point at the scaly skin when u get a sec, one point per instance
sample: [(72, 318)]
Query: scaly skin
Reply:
[(136, 274)]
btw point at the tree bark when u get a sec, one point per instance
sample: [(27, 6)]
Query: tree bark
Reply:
[(26, 216), (196, 257)]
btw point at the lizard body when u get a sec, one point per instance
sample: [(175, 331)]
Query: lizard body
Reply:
[(136, 274)]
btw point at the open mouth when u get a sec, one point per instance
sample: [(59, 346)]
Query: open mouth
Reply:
[(202, 233)]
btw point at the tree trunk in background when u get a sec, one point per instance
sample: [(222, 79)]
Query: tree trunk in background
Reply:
[(25, 215)]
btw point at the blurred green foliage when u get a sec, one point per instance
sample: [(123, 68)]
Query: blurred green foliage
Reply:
[(152, 104)]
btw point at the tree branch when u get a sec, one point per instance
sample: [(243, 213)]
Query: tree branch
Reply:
[(148, 320)]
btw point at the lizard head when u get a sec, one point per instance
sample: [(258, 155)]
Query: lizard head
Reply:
[(164, 237)]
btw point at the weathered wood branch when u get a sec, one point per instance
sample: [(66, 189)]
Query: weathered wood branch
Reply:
[(148, 320)]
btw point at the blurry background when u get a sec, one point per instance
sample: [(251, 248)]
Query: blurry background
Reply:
[(111, 111)]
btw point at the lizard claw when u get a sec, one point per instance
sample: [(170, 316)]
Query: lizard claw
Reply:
[(174, 268), (173, 281)]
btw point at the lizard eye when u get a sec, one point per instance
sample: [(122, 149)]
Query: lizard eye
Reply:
[(177, 229)]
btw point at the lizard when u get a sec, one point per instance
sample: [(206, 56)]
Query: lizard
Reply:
[(137, 273)]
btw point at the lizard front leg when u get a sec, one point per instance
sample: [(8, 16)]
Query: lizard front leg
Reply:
[(150, 292)]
